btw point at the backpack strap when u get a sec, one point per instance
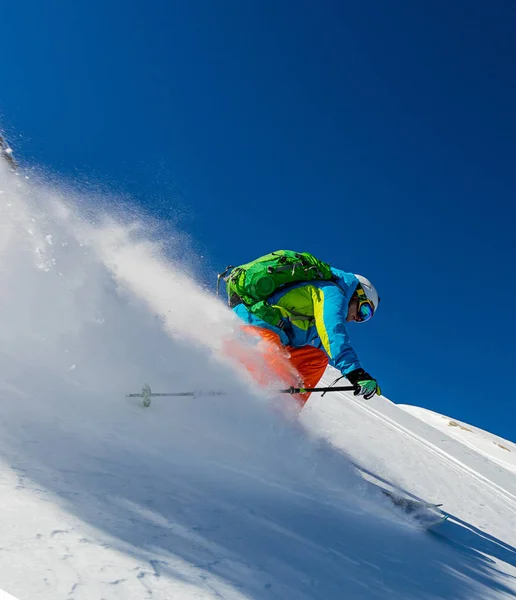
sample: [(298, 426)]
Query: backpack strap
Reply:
[(221, 276)]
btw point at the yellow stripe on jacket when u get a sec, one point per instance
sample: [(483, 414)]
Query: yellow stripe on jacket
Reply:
[(306, 301)]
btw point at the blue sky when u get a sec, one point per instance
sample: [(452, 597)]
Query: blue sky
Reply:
[(379, 136)]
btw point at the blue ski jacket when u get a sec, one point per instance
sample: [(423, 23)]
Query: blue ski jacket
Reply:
[(314, 313)]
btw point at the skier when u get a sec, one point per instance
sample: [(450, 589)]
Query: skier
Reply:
[(311, 329)]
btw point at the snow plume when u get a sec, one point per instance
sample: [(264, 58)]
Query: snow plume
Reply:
[(92, 307)]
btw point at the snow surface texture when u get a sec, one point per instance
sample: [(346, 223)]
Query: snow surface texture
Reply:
[(228, 497)]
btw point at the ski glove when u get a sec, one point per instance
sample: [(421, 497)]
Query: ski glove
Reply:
[(365, 385)]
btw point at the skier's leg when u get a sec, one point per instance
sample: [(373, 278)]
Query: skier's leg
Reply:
[(310, 363), (297, 367), (275, 359)]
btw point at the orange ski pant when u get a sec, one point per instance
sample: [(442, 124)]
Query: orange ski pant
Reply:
[(298, 367)]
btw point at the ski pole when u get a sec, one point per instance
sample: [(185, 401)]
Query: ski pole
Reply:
[(147, 394), (338, 388)]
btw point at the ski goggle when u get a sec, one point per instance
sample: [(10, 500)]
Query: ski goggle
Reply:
[(365, 308)]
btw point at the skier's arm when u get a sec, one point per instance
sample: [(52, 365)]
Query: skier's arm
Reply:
[(330, 311)]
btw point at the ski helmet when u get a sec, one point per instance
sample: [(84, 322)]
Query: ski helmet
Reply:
[(369, 290)]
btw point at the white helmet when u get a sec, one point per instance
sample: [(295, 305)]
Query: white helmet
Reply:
[(369, 290)]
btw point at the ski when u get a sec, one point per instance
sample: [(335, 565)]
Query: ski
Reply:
[(424, 514)]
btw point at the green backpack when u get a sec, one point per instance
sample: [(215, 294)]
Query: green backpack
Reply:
[(252, 283)]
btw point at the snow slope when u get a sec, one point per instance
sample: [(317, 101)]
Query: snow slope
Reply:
[(212, 497), (491, 446)]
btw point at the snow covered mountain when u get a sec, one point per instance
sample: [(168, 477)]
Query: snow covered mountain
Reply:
[(214, 496)]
